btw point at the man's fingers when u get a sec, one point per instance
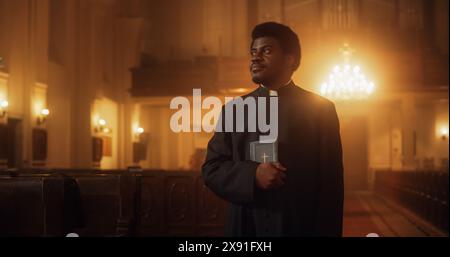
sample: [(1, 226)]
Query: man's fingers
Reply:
[(282, 175), (279, 166), (280, 181)]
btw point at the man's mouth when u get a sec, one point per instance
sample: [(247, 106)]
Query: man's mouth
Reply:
[(257, 68)]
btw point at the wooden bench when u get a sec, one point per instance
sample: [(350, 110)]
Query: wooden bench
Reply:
[(122, 203), (38, 206)]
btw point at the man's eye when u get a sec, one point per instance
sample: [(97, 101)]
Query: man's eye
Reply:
[(267, 51), (252, 53)]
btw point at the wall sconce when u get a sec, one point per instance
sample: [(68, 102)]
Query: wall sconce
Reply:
[(42, 117), (101, 123), (106, 130), (444, 134), (137, 132), (3, 107), (101, 127)]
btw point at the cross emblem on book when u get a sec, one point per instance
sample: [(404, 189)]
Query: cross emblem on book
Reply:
[(264, 156)]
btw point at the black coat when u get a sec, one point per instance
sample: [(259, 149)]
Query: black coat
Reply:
[(311, 201)]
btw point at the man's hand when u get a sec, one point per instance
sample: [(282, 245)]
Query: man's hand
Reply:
[(270, 175)]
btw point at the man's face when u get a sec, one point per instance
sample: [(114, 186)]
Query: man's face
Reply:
[(268, 62)]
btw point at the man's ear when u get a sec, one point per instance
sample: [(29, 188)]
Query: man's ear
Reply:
[(290, 60)]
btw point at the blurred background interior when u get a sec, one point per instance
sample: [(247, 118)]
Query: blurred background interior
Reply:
[(85, 87)]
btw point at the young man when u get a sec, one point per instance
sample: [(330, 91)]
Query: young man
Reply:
[(301, 192)]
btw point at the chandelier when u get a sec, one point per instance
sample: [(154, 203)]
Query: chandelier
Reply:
[(347, 81)]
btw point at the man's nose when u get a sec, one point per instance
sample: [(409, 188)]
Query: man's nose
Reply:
[(256, 57)]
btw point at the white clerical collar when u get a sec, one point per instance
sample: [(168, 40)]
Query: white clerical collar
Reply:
[(274, 92)]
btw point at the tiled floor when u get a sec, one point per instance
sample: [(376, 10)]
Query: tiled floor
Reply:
[(366, 213)]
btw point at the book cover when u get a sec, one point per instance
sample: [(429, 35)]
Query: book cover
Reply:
[(263, 152)]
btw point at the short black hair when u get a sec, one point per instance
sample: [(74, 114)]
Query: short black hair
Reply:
[(285, 36)]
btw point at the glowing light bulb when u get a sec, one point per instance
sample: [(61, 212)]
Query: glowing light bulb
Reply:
[(139, 130), (4, 104), (45, 112), (336, 69), (444, 133), (347, 67)]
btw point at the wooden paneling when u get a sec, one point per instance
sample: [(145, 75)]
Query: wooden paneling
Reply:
[(97, 149), (3, 145), (211, 212), (179, 204), (100, 197), (139, 152), (39, 142), (107, 146), (150, 211)]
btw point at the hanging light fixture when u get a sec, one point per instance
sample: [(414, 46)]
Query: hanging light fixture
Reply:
[(347, 81)]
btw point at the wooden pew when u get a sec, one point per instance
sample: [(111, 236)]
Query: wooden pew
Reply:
[(107, 201), (38, 206), (125, 203), (423, 192), (177, 203)]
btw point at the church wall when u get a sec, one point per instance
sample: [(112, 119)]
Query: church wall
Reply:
[(269, 10), (86, 55), (408, 123), (106, 48), (425, 129), (107, 110), (441, 25), (20, 67), (442, 124), (16, 64), (61, 82), (5, 36), (59, 124), (127, 35), (430, 150), (165, 150), (405, 132), (379, 138), (203, 27), (66, 48)]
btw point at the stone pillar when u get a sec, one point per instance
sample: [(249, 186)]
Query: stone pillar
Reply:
[(128, 35), (83, 94)]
